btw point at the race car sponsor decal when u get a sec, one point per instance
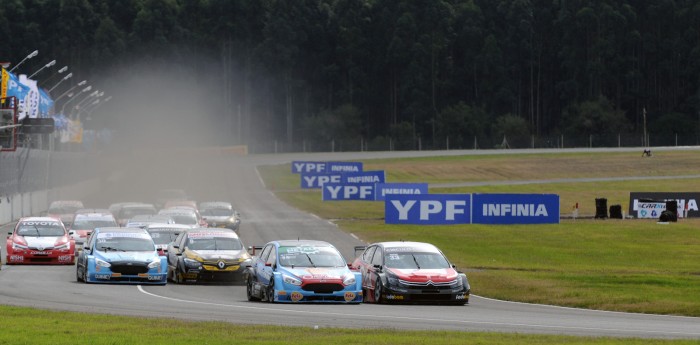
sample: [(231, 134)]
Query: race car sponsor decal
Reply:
[(39, 253), (207, 234), (296, 296), (154, 278), (461, 297), (394, 297), (103, 276), (400, 249), (16, 258), (42, 223), (349, 296), (122, 234), (65, 258), (300, 249)]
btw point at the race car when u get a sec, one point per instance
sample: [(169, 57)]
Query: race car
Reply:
[(184, 215), (129, 210), (220, 215), (85, 221), (204, 254), (163, 234), (121, 255), (64, 210), (409, 272), (302, 271), (143, 220), (40, 240)]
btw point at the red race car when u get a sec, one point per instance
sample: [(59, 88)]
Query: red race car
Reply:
[(410, 272), (40, 240)]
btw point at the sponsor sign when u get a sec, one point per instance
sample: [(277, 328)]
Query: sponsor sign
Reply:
[(515, 209), (339, 191), (317, 180), (374, 176), (650, 209), (687, 201), (426, 209), (384, 189), (299, 167), (343, 167)]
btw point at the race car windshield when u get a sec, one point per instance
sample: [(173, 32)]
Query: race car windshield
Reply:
[(124, 244), (92, 224), (63, 210), (163, 237), (216, 212), (40, 230), (320, 257), (128, 213), (184, 219), (214, 243), (408, 260)]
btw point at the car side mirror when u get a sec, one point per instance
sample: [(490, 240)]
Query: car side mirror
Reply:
[(71, 233), (9, 232), (378, 267)]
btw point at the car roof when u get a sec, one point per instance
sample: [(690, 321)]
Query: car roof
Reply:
[(118, 229), (92, 210), (294, 243), (138, 205), (215, 204), (163, 226), (178, 210), (66, 203), (408, 244), (94, 215)]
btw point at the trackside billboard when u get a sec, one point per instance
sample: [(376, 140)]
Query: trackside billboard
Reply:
[(299, 167), (384, 189), (316, 180), (374, 176), (341, 191), (687, 201), (515, 209), (427, 209)]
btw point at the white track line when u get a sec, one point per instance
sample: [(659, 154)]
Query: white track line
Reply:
[(421, 319)]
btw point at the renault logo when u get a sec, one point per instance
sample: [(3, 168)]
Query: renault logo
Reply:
[(221, 264)]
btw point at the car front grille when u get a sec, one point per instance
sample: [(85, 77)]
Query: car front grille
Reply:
[(129, 268), (322, 287), (429, 285)]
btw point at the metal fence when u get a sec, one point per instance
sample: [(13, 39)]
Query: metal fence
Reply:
[(29, 170), (479, 143)]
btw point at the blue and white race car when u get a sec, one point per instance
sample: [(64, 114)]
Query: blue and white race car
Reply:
[(302, 271), (121, 255)]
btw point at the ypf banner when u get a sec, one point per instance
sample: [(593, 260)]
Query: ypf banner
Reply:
[(341, 191), (317, 180), (299, 167), (384, 189), (374, 176), (515, 209), (427, 209)]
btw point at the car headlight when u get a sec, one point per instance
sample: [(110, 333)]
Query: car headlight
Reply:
[(18, 246), (63, 246), (192, 263), (392, 280), (155, 264), (102, 263), (291, 280), (349, 280)]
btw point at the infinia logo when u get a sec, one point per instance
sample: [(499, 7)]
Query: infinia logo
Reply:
[(515, 210), (400, 191), (364, 179)]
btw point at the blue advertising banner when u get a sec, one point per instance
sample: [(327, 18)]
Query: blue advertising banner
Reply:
[(45, 103), (427, 209), (355, 191), (384, 189), (343, 167), (316, 180), (299, 167), (374, 176), (515, 209)]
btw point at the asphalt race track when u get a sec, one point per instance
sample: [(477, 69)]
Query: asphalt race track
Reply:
[(266, 218)]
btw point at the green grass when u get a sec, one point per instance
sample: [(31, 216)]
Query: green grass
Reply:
[(622, 265), (31, 326)]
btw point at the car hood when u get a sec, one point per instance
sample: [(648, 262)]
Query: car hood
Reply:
[(425, 275), (319, 273), (216, 254), (41, 242), (128, 256), (217, 219)]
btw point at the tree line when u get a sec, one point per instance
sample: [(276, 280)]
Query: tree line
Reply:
[(460, 71)]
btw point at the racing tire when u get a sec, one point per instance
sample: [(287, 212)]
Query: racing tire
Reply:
[(378, 292), (85, 278), (270, 292), (178, 276), (249, 290), (77, 274)]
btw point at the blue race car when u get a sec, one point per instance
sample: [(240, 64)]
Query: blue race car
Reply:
[(302, 271), (121, 255)]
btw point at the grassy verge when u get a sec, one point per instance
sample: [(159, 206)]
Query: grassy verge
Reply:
[(630, 265), (31, 326)]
